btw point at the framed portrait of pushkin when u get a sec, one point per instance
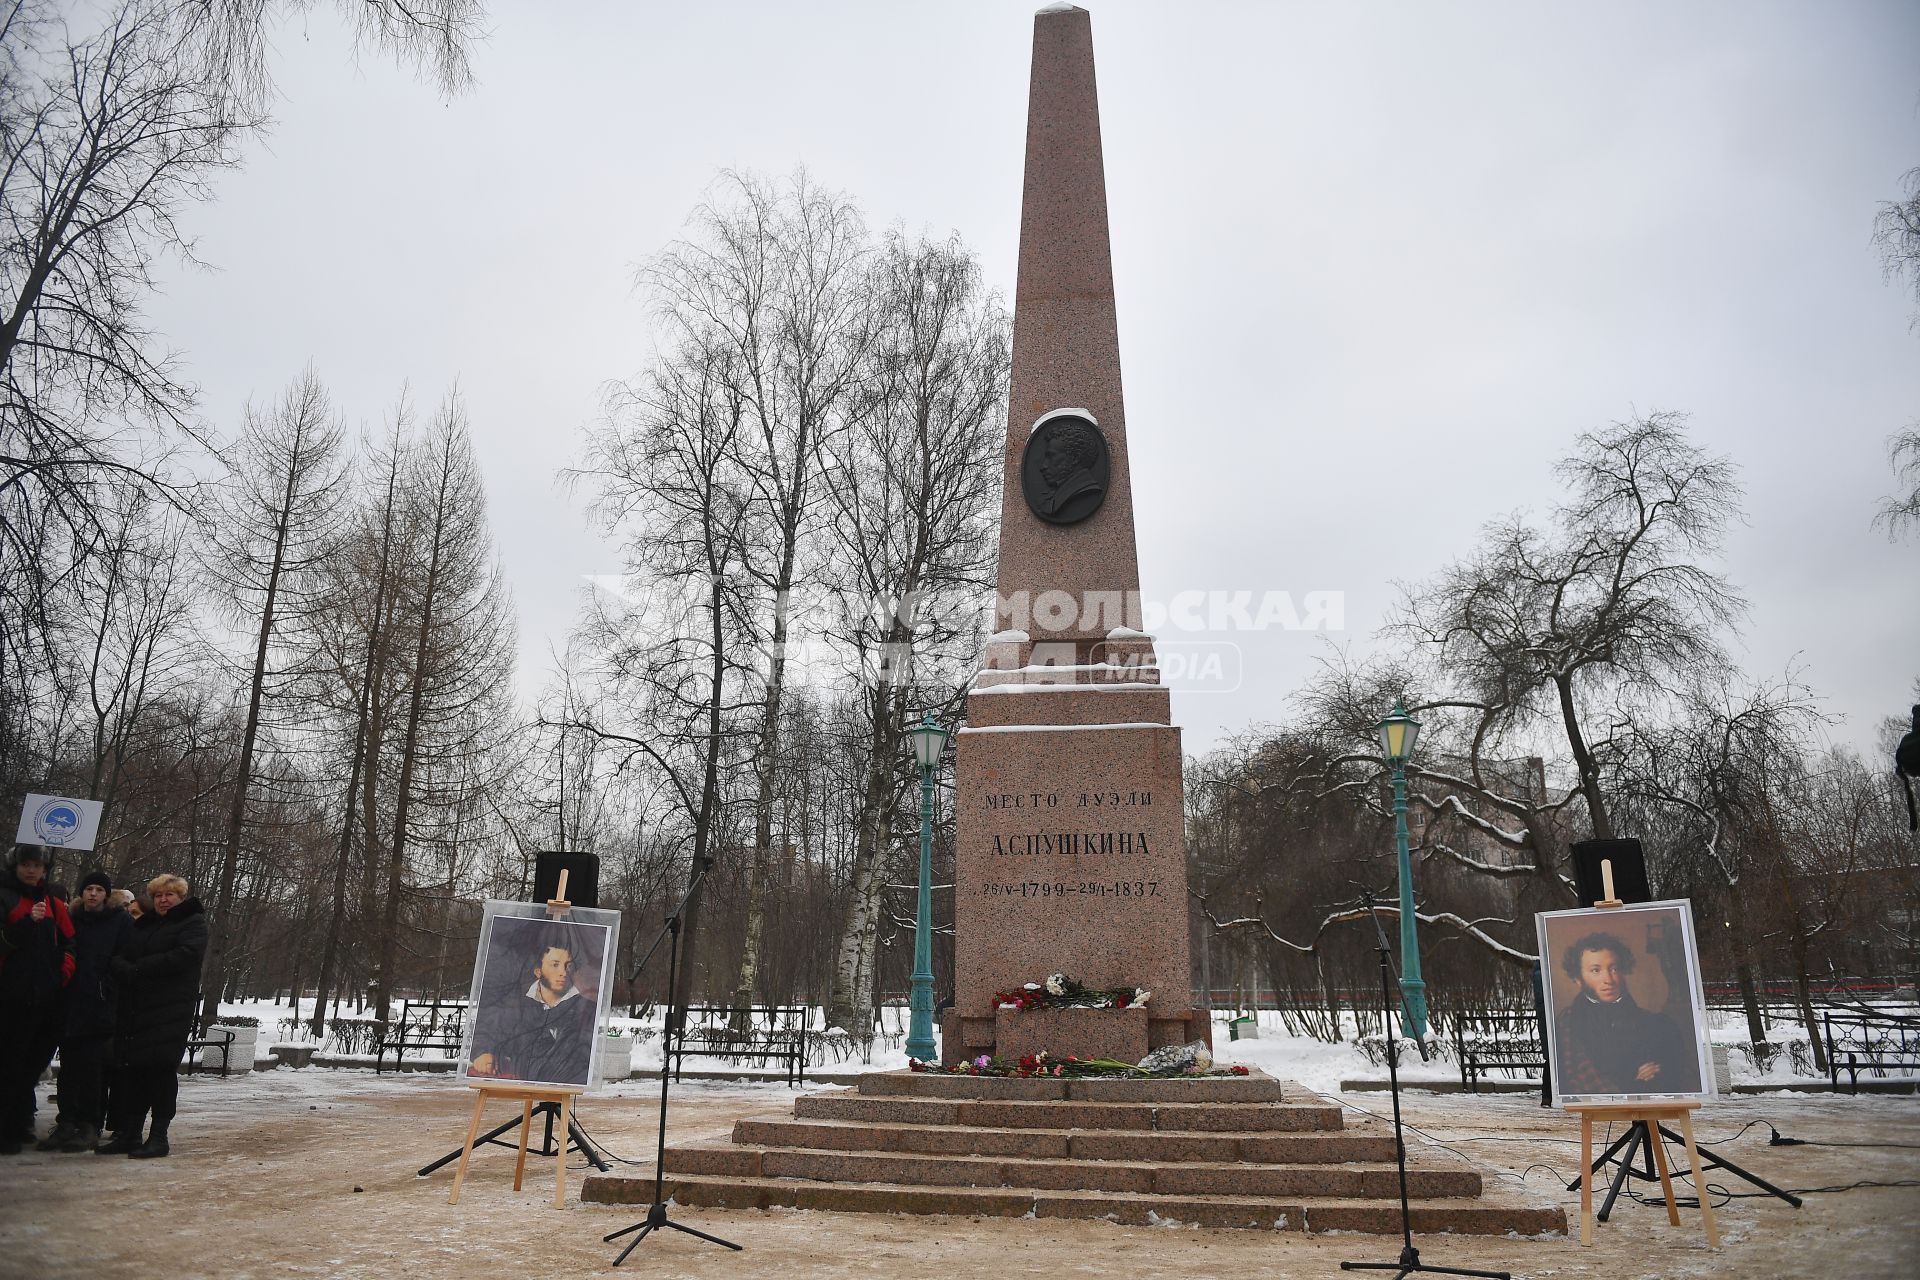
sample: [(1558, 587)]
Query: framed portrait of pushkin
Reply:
[(1626, 1012), (542, 991)]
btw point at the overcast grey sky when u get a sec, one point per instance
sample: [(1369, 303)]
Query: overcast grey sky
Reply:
[(1391, 253)]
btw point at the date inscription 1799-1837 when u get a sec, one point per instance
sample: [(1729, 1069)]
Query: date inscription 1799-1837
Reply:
[(1064, 472)]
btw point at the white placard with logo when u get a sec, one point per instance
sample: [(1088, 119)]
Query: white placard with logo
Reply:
[(59, 821)]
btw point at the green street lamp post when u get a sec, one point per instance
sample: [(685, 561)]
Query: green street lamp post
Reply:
[(1397, 733), (929, 741)]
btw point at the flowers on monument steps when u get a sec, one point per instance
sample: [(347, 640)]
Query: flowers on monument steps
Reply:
[(1061, 992), (1170, 1063), (1193, 1056)]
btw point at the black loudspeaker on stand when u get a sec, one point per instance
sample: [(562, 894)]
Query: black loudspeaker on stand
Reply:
[(1629, 871), (676, 1024), (583, 877), (1409, 1261)]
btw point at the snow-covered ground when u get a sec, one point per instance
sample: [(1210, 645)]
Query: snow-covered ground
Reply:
[(1314, 1063), (831, 1050), (312, 1173)]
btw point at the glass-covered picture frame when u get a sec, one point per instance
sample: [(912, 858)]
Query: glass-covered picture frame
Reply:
[(542, 992), (1626, 1011)]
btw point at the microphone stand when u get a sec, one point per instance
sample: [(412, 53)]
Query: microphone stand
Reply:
[(676, 1023), (1409, 1261)]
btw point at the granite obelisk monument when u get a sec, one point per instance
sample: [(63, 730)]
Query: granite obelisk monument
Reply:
[(1070, 854)]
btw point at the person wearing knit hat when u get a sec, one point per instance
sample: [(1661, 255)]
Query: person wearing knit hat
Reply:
[(86, 1038), (36, 962)]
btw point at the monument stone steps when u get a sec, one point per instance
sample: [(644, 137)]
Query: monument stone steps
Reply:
[(1245, 1151), (1372, 1143), (1480, 1215), (928, 1084), (1235, 1117), (1205, 1178)]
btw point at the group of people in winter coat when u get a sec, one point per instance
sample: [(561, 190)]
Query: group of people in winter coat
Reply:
[(108, 985)]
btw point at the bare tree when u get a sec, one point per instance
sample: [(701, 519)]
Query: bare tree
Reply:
[(1896, 234), (104, 142), (367, 551), (774, 278), (670, 647), (433, 37), (273, 525), (1549, 628), (912, 486), (1901, 510), (139, 628), (1724, 760), (1301, 836), (1528, 662), (455, 603)]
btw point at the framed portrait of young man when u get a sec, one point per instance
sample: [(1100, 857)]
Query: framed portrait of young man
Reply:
[(1626, 1013), (542, 990)]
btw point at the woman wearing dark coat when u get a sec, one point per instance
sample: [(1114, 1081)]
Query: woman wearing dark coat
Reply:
[(158, 973)]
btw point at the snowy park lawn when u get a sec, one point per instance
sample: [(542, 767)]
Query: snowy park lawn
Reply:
[(1320, 1066), (311, 1173)]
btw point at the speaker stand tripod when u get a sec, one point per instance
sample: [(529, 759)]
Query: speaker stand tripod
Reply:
[(1409, 1261), (576, 1140), (1633, 1152), (676, 1022)]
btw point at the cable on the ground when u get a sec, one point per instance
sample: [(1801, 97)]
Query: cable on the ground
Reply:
[(1499, 1173), (605, 1150), (1720, 1194), (1559, 1177)]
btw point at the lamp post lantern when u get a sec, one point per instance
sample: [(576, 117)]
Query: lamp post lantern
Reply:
[(929, 741), (1397, 733)]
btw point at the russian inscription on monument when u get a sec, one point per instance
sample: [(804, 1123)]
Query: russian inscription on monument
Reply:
[(1069, 853)]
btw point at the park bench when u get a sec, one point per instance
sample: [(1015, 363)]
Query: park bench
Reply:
[(1508, 1042), (1877, 1043), (767, 1034), (423, 1027), (199, 1047)]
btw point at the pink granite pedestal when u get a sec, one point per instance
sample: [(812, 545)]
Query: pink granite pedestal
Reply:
[(1120, 1034)]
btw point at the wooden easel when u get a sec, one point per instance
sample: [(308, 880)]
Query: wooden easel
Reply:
[(1650, 1114), (526, 1095)]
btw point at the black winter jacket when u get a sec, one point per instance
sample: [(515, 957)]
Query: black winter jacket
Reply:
[(36, 956), (92, 995), (158, 972)]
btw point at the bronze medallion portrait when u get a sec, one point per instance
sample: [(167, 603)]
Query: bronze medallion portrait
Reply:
[(1064, 471)]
